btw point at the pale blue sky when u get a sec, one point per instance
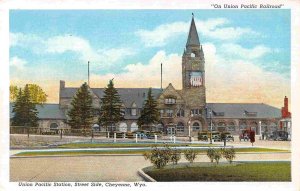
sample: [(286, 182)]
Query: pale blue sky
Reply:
[(57, 44)]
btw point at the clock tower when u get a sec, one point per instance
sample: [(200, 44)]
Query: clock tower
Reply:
[(193, 71)]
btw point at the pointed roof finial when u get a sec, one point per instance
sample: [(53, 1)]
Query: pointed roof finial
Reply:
[(193, 15)]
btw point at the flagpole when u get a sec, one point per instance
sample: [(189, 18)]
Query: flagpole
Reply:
[(161, 76), (89, 73)]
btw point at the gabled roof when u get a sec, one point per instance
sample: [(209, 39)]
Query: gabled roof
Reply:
[(170, 89), (47, 111), (193, 38), (242, 110), (128, 95)]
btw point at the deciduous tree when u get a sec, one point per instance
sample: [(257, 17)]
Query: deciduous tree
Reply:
[(37, 94)]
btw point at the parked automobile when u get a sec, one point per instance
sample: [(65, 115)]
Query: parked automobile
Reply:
[(227, 136), (216, 136), (151, 134), (141, 134), (278, 136), (203, 135), (245, 135)]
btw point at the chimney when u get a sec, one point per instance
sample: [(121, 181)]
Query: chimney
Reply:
[(286, 101), (62, 84)]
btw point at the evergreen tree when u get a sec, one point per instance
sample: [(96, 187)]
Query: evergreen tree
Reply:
[(150, 113), (25, 112), (81, 112), (110, 107)]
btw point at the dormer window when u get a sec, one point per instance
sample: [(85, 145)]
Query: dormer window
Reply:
[(134, 109)]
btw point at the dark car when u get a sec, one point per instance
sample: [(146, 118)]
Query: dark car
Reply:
[(227, 136), (245, 135), (278, 136)]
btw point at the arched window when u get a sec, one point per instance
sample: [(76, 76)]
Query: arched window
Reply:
[(96, 127), (160, 127), (180, 113), (53, 126), (221, 126), (180, 127), (231, 126), (133, 127), (264, 127), (123, 127), (243, 126), (196, 126), (273, 127)]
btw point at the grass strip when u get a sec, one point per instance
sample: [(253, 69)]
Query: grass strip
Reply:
[(272, 171), (93, 152)]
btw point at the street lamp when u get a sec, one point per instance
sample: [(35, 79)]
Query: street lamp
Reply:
[(190, 118)]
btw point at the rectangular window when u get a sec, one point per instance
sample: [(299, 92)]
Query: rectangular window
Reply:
[(161, 113), (196, 111), (169, 112), (180, 113), (133, 111)]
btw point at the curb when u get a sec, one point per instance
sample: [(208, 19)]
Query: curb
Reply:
[(146, 177)]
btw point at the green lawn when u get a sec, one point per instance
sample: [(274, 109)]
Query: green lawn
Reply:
[(263, 171)]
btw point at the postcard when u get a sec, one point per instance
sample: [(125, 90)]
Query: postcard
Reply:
[(154, 95)]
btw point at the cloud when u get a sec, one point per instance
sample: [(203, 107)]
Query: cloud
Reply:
[(17, 63), (28, 41), (227, 80), (242, 80), (158, 36), (237, 51), (216, 28), (66, 43), (145, 74)]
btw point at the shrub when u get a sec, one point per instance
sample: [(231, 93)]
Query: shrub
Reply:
[(175, 156), (217, 155), (211, 153), (159, 157), (147, 155), (229, 154), (190, 155)]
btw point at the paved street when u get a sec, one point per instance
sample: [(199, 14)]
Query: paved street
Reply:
[(99, 168)]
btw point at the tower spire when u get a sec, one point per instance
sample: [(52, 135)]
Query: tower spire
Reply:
[(193, 38)]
